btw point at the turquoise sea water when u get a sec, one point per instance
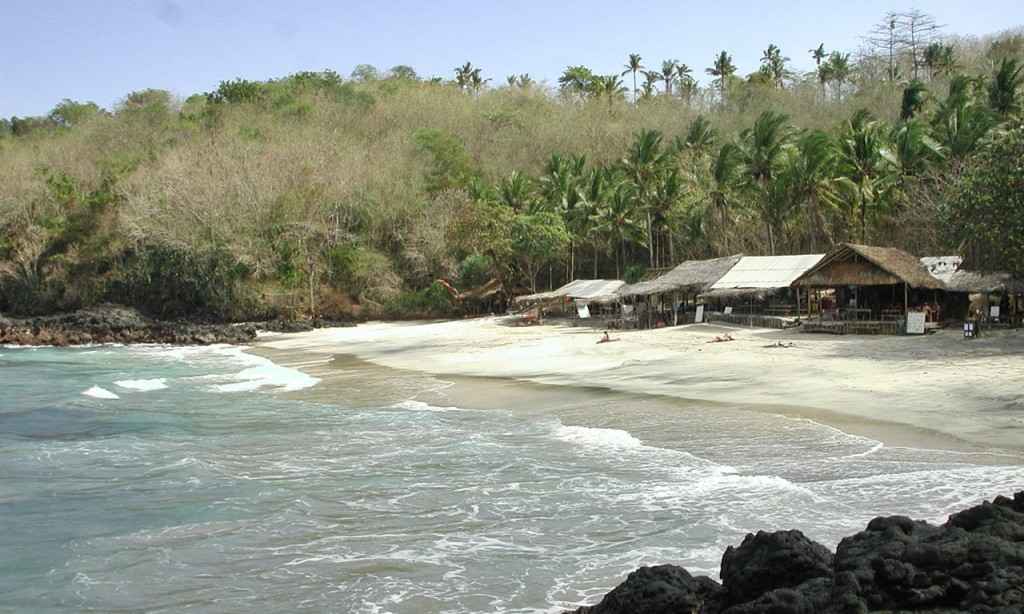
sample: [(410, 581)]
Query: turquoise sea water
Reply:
[(164, 479)]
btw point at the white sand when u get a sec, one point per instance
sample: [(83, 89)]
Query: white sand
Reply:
[(970, 390)]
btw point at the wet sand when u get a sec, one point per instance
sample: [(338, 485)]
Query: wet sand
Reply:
[(347, 379)]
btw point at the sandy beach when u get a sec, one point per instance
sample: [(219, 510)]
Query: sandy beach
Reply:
[(938, 390)]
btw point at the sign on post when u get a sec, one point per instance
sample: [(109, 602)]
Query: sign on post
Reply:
[(915, 322)]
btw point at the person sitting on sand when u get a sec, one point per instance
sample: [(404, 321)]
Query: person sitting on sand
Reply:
[(722, 339), (605, 338)]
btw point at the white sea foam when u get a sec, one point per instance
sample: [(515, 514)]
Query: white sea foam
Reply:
[(258, 373), (97, 392), (592, 436), (411, 405), (143, 385), (263, 373)]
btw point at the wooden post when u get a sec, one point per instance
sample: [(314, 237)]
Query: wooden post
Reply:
[(906, 300), (798, 303)]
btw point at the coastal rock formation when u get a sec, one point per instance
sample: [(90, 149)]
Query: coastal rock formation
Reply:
[(115, 324), (972, 563)]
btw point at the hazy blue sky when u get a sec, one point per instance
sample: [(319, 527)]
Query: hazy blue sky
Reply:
[(100, 50)]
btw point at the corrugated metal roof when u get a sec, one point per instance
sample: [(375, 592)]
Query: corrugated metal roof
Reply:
[(766, 271)]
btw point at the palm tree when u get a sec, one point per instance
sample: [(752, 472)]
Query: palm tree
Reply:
[(725, 170), (722, 69), (476, 81), (609, 86), (618, 220), (810, 171), (1002, 90), (960, 121), (643, 163), (463, 75), (773, 64), (561, 191), (634, 66), (687, 84), (650, 80), (595, 195), (762, 148), (838, 70), (818, 53), (700, 136), (860, 163), (516, 192), (912, 150), (914, 97), (523, 81), (668, 73)]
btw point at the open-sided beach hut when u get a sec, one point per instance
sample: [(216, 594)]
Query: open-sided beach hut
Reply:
[(762, 284), (871, 289), (580, 292), (660, 299)]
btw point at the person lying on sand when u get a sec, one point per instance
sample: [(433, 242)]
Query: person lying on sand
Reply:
[(780, 344), (605, 338), (722, 339)]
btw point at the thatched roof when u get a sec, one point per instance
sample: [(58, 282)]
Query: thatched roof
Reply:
[(849, 264), (689, 276), (584, 290), (947, 270)]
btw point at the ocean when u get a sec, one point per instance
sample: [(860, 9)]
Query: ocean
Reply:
[(163, 479)]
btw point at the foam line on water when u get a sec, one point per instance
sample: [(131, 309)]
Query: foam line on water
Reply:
[(98, 392), (143, 385)]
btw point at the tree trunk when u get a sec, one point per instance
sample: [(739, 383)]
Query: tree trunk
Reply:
[(671, 248), (595, 260), (650, 238)]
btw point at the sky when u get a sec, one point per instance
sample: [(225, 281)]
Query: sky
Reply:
[(100, 50)]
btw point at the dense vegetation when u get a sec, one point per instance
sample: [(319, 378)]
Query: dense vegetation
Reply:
[(313, 194)]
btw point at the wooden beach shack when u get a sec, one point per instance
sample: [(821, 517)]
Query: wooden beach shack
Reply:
[(869, 290), (758, 291), (664, 300)]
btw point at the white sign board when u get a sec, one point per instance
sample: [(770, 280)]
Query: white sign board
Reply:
[(993, 312), (699, 316), (728, 310), (915, 323), (583, 310)]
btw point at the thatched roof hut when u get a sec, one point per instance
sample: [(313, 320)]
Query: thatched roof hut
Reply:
[(691, 276), (947, 269), (849, 264)]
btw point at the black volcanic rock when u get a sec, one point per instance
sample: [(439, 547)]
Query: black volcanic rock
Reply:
[(768, 561), (656, 590), (972, 563)]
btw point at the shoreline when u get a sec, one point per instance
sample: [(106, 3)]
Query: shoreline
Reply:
[(337, 370)]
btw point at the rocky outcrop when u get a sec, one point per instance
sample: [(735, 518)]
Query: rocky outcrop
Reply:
[(972, 563), (116, 324)]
